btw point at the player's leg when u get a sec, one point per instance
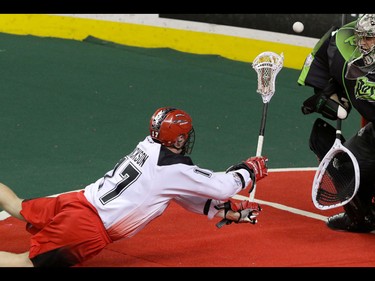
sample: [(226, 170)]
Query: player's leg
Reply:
[(10, 202), (358, 217), (359, 213), (15, 260), (322, 137), (69, 230)]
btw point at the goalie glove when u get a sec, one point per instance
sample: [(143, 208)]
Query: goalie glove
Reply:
[(248, 212), (256, 166), (327, 103), (327, 106)]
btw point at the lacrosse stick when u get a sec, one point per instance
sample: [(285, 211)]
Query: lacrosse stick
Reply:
[(267, 65), (337, 178)]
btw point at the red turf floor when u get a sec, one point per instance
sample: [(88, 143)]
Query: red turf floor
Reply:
[(280, 239)]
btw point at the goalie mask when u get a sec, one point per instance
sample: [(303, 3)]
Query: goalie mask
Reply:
[(362, 61), (170, 126)]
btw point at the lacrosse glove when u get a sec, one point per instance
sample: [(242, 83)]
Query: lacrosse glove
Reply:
[(256, 166), (327, 103), (247, 210)]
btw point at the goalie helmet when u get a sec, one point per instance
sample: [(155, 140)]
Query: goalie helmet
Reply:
[(168, 124), (365, 27), (363, 61)]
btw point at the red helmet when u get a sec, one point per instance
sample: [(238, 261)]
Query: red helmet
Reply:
[(167, 124)]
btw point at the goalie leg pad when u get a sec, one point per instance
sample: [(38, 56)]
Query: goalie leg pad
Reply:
[(322, 137), (358, 217), (362, 145)]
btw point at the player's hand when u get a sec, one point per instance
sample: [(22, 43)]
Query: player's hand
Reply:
[(330, 107), (327, 103), (256, 166), (240, 212), (248, 211)]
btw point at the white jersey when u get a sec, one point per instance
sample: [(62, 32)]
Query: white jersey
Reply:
[(143, 183)]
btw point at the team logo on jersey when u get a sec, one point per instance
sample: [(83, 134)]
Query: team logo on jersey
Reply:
[(365, 89), (351, 41)]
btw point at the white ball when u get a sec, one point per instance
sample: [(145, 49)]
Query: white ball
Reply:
[(298, 27)]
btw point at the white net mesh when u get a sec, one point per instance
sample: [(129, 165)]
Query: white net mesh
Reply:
[(267, 65)]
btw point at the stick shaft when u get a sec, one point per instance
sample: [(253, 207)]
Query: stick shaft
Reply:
[(260, 145), (262, 130), (263, 120)]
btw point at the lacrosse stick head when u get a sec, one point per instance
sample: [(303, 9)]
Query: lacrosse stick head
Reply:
[(267, 65)]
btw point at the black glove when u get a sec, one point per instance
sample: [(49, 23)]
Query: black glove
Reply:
[(327, 103)]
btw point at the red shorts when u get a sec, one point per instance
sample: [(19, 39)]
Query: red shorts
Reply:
[(67, 229)]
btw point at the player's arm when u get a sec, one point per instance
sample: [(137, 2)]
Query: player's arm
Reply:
[(205, 183), (230, 210), (242, 212), (256, 167), (245, 173), (327, 102)]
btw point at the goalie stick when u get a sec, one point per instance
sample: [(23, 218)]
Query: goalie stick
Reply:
[(337, 178)]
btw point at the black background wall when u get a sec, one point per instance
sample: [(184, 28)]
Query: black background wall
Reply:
[(315, 24)]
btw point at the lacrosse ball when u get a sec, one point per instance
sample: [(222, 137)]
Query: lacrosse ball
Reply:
[(298, 27)]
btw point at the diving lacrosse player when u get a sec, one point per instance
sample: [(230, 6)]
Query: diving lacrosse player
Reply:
[(73, 227)]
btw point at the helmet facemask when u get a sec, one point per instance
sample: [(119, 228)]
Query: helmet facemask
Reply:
[(189, 143), (362, 61)]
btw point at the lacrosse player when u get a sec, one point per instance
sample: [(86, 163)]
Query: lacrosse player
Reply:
[(75, 226), (341, 70)]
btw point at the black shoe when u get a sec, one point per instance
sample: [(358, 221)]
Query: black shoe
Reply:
[(344, 223)]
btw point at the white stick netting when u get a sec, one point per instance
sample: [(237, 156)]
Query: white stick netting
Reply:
[(267, 65)]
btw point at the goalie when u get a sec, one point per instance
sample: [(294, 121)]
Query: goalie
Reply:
[(341, 70), (73, 227)]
